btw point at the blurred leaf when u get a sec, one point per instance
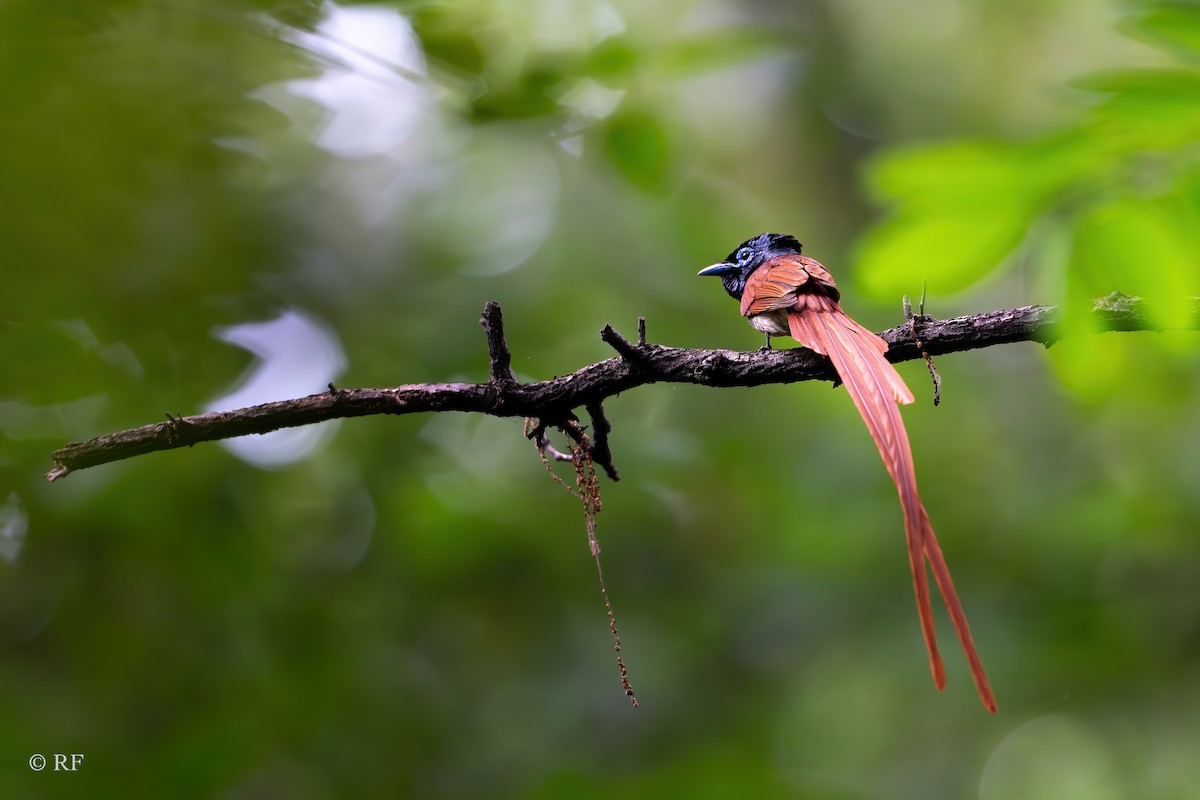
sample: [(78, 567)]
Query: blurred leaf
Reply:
[(1174, 28), (951, 250), (612, 61), (959, 208), (721, 48), (528, 99), (637, 144), (1157, 109), (302, 14), (528, 95), (962, 208), (444, 39), (941, 173), (1139, 246), (1142, 81)]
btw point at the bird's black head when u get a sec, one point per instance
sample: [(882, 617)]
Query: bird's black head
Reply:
[(749, 256)]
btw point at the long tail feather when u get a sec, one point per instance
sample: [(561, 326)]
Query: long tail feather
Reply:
[(941, 574), (875, 388), (820, 330)]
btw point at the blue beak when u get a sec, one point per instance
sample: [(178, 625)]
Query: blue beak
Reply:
[(718, 269)]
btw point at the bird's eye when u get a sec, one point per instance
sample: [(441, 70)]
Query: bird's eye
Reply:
[(744, 255)]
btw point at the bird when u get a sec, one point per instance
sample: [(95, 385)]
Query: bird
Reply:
[(784, 293)]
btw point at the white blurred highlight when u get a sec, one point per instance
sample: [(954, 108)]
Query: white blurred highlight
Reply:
[(372, 85), (14, 527), (297, 356)]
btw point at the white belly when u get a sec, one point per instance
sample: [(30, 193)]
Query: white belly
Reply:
[(772, 323)]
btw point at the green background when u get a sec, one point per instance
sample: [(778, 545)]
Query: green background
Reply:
[(411, 609)]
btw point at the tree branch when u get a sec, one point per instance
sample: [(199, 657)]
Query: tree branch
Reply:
[(553, 401)]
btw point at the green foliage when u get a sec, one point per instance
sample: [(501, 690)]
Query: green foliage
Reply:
[(1174, 27), (1122, 183), (637, 144)]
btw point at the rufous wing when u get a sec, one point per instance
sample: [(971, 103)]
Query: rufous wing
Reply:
[(776, 284)]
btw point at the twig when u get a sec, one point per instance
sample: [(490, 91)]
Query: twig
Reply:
[(550, 451), (912, 325), (600, 452), (499, 357), (619, 343)]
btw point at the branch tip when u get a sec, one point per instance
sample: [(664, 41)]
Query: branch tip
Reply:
[(619, 343), (913, 321), (59, 471), (601, 427), (499, 356)]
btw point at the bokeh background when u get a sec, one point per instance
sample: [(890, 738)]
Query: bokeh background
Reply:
[(210, 204)]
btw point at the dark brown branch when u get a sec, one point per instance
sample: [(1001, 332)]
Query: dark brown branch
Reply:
[(553, 401), (499, 357), (916, 335), (601, 454), (619, 343)]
